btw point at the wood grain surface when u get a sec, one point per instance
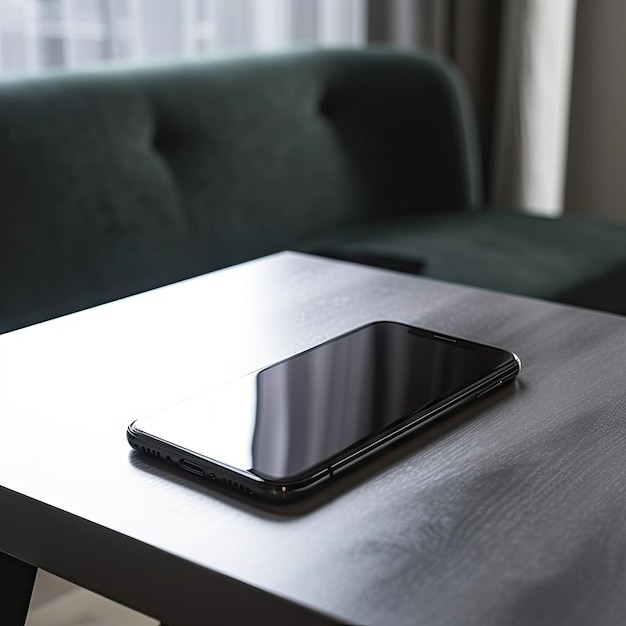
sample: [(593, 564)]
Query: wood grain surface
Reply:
[(511, 512)]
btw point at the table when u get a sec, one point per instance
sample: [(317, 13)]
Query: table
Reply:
[(511, 512)]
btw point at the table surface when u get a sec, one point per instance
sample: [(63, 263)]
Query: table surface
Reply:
[(511, 512)]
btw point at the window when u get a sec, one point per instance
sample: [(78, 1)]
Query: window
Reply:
[(40, 34)]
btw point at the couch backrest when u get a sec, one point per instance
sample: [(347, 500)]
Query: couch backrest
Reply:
[(121, 180)]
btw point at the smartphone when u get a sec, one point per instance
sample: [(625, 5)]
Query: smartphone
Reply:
[(284, 431)]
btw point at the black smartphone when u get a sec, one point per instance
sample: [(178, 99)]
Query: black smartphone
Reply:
[(284, 431)]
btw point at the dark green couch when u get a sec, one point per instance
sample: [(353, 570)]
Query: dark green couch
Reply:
[(118, 181)]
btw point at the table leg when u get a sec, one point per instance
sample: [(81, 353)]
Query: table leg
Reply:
[(16, 586)]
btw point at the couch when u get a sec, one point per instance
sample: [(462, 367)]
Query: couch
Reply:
[(119, 180)]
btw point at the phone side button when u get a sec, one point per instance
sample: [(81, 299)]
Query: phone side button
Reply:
[(491, 387)]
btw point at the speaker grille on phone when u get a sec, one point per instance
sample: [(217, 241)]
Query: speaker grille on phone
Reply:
[(231, 484), (155, 453)]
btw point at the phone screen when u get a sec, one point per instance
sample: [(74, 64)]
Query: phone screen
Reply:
[(303, 413)]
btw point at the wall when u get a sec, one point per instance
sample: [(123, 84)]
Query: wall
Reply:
[(596, 174)]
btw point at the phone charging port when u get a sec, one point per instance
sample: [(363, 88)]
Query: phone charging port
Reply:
[(191, 467)]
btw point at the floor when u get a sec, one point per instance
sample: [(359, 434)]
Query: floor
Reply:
[(56, 602)]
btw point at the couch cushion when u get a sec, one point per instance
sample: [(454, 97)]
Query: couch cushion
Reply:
[(572, 260), (118, 181)]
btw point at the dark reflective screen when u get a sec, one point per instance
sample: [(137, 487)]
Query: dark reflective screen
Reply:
[(299, 413), (316, 404)]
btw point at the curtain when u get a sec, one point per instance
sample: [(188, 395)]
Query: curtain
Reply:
[(533, 104), (516, 58), (40, 34), (596, 184)]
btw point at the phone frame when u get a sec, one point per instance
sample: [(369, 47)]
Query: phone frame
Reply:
[(282, 491)]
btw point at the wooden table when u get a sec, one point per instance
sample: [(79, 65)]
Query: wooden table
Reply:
[(512, 512)]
